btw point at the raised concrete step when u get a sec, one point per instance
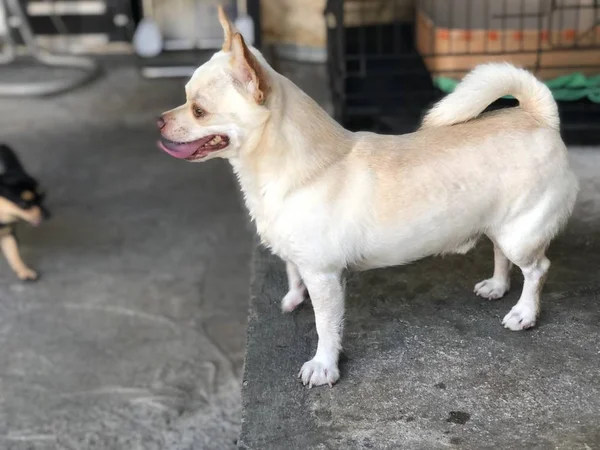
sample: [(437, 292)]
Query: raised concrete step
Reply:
[(427, 364)]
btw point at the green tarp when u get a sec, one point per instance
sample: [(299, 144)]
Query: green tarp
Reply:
[(566, 88)]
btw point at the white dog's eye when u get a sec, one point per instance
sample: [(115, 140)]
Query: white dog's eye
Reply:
[(198, 112)]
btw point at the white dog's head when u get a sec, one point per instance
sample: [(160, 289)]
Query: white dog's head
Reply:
[(225, 103)]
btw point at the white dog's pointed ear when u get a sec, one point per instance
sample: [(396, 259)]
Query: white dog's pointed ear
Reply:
[(228, 29), (248, 71)]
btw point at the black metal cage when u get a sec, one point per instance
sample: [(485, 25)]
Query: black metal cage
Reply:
[(389, 60)]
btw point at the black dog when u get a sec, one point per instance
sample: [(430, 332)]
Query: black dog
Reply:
[(20, 199)]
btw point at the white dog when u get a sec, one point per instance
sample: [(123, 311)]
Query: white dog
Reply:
[(325, 199)]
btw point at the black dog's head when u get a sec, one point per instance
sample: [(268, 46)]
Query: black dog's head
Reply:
[(20, 195)]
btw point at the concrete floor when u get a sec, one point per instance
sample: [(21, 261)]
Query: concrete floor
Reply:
[(134, 337)]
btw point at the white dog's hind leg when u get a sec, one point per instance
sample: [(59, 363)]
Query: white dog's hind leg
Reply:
[(297, 290), (327, 295), (524, 314), (499, 284)]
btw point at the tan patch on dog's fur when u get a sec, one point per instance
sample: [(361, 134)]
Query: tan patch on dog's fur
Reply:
[(10, 212), (27, 196)]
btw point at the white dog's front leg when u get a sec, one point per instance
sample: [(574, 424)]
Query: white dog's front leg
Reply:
[(327, 295), (297, 290)]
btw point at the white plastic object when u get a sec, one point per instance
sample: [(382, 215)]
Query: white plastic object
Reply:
[(244, 23), (3, 23), (147, 40), (245, 26)]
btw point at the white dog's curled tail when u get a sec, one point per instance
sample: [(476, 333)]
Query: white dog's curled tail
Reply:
[(487, 83)]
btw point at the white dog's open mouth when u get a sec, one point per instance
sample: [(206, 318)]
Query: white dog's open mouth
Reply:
[(194, 150)]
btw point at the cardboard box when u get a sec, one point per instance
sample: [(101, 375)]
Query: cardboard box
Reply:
[(454, 36)]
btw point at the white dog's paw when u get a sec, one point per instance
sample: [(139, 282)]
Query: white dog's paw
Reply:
[(491, 288), (292, 300), (317, 373), (519, 318)]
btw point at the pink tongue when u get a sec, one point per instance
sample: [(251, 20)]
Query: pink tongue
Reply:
[(180, 151)]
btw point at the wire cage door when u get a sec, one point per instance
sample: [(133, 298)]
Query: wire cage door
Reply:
[(389, 60)]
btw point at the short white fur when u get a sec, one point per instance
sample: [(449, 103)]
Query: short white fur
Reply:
[(325, 199)]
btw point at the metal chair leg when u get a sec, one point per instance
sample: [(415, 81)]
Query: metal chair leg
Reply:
[(87, 67)]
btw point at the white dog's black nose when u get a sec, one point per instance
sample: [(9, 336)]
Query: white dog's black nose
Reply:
[(160, 123)]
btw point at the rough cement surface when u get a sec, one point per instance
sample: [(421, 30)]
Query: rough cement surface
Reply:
[(134, 337), (427, 364)]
